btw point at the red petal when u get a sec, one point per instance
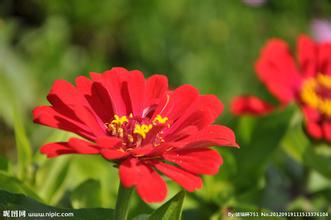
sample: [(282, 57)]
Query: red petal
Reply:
[(129, 172), (143, 150), (199, 161), (312, 118), (91, 120), (182, 134), (324, 58), (127, 89), (108, 142), (152, 188), (67, 100), (277, 70), (176, 103), (63, 96), (250, 105), (212, 104), (56, 149), (307, 55), (156, 88), (129, 94), (160, 149), (213, 135), (201, 113), (149, 184), (113, 154), (311, 114), (110, 148), (73, 146), (327, 131), (314, 130), (136, 90), (97, 97), (82, 147), (48, 116), (111, 80), (187, 180)]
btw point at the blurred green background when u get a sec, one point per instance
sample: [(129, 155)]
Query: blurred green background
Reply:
[(210, 44)]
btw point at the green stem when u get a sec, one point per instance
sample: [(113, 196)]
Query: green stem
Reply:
[(122, 203)]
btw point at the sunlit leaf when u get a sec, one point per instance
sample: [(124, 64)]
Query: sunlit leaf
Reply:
[(171, 210), (24, 151), (87, 195), (4, 163), (319, 162), (84, 167), (51, 177), (254, 155), (298, 145), (13, 184), (141, 217)]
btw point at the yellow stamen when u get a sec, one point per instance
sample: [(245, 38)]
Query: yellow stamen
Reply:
[(308, 93), (310, 96), (119, 120), (324, 80), (160, 119), (325, 107), (142, 130)]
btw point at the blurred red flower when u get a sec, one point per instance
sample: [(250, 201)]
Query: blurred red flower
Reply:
[(307, 82), (141, 125)]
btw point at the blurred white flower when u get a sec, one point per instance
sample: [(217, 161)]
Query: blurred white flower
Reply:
[(254, 3), (321, 29)]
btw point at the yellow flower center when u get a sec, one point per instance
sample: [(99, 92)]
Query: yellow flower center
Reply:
[(160, 119), (316, 93), (133, 130), (142, 130), (119, 120)]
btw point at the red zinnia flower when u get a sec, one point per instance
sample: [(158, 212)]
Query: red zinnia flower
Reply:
[(141, 125), (308, 83)]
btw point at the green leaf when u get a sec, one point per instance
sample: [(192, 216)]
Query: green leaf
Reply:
[(219, 188), (4, 163), (24, 151), (299, 147), (171, 210), (317, 161), (141, 217), (84, 167), (51, 177), (12, 108), (256, 151), (13, 184), (11, 201), (87, 195), (296, 141)]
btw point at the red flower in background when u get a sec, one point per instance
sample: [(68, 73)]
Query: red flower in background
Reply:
[(307, 82), (141, 125)]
